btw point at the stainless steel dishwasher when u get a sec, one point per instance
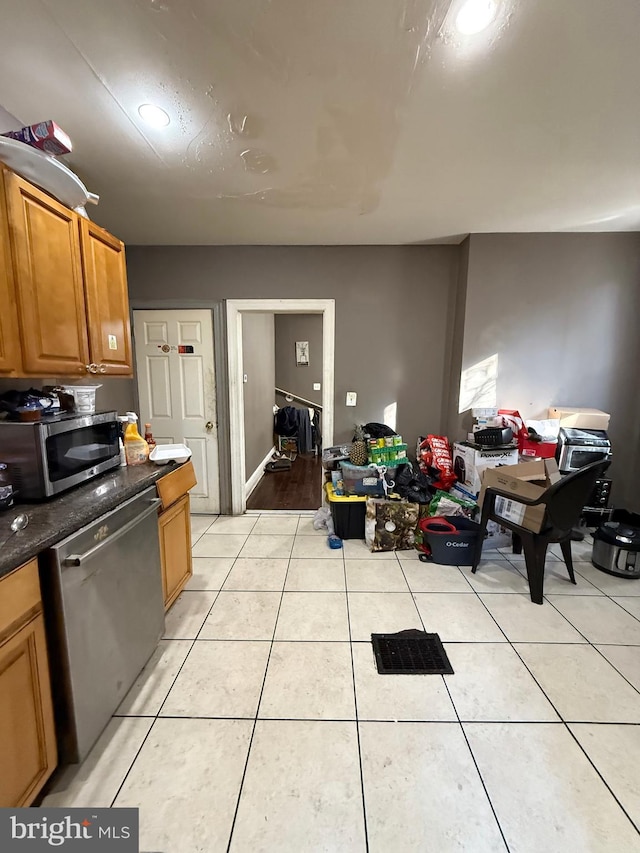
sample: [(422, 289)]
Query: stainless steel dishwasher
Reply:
[(105, 615)]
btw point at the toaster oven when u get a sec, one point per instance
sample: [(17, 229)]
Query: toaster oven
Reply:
[(580, 447)]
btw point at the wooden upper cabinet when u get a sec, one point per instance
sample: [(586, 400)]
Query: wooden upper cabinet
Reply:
[(10, 352), (48, 281), (105, 281)]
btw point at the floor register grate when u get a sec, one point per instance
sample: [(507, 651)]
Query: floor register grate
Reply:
[(410, 652)]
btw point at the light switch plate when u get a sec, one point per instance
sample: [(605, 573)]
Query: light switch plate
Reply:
[(352, 398), (316, 386)]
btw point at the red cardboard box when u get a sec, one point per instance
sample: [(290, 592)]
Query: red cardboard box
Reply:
[(46, 136), (539, 449), (526, 447)]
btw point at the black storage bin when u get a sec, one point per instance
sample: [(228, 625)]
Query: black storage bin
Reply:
[(449, 540), (347, 513)]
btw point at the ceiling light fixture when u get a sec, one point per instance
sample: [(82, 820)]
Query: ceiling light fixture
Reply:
[(475, 16), (155, 116)]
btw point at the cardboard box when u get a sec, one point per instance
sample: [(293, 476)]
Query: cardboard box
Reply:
[(581, 418), (528, 480), (46, 136), (537, 449), (534, 449), (469, 461)]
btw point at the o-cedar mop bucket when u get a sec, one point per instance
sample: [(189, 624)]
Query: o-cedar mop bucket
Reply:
[(449, 540)]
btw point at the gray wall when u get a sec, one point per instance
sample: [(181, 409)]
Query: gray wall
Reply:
[(259, 364), (8, 121), (562, 312), (392, 304), (299, 379)]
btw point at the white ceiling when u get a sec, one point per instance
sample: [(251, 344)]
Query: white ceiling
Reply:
[(336, 121)]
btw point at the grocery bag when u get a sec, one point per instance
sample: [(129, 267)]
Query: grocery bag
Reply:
[(390, 525)]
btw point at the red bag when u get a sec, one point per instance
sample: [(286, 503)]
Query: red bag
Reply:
[(434, 452)]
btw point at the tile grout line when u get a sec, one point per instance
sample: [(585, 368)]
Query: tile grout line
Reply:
[(464, 734), (566, 726), (156, 716), (355, 702), (255, 718), (603, 780), (593, 646), (475, 763)]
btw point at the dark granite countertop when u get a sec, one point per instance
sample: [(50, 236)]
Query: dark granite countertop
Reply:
[(53, 520)]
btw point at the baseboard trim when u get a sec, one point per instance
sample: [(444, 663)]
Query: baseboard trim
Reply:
[(255, 478)]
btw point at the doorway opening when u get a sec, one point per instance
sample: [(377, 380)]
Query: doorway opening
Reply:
[(252, 354)]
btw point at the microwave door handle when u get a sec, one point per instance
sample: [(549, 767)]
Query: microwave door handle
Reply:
[(79, 559)]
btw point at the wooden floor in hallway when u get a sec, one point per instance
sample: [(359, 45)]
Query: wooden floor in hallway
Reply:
[(298, 488)]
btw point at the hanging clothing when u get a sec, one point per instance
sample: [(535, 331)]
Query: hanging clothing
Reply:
[(286, 421), (305, 437), (291, 421), (317, 434)]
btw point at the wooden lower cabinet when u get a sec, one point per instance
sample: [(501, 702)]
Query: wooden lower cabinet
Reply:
[(28, 753), (175, 549)]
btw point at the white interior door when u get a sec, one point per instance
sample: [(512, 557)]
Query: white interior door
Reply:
[(177, 391)]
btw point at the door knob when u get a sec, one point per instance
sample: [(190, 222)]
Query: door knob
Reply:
[(208, 426)]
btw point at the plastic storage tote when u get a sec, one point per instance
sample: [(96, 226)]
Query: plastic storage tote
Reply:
[(348, 514), (361, 480)]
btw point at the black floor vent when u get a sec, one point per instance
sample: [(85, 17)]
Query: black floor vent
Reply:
[(410, 653)]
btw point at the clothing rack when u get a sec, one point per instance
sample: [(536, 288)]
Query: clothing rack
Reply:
[(288, 394)]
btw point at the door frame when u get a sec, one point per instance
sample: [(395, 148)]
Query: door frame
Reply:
[(235, 309)]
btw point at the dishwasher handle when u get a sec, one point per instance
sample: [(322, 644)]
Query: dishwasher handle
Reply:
[(79, 559)]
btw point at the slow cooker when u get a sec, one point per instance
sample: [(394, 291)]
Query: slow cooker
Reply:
[(616, 545)]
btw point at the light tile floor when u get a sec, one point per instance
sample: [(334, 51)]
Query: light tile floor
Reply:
[(261, 723)]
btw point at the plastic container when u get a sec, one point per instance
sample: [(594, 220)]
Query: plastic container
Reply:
[(361, 480), (347, 513), (84, 397), (123, 420), (135, 447), (450, 540), (333, 456), (161, 454)]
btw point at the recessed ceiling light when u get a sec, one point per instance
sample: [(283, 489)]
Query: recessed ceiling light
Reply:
[(475, 16), (155, 116)]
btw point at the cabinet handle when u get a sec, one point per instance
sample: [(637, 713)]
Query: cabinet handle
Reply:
[(92, 368), (102, 368)]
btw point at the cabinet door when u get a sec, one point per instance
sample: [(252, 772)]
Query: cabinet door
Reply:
[(175, 549), (48, 280), (105, 281), (10, 356), (27, 734)]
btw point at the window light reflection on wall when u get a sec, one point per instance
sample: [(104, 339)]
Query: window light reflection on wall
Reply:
[(390, 414), (479, 385)]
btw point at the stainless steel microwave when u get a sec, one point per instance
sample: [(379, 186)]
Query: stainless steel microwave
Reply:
[(580, 447), (58, 452)]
